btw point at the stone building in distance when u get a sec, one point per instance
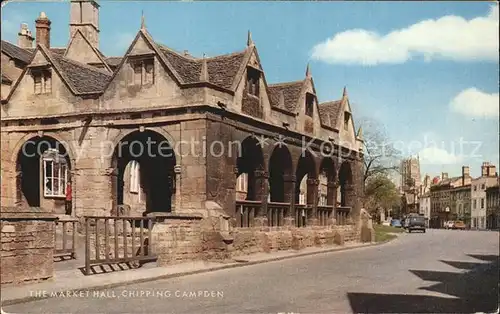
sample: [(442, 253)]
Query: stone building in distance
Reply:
[(73, 114)]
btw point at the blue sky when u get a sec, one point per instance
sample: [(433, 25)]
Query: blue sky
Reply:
[(427, 71)]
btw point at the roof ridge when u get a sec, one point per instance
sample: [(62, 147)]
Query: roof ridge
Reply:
[(285, 83), (197, 59), (330, 102), (162, 46)]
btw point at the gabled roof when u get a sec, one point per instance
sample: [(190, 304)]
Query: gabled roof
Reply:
[(222, 70), (16, 52), (329, 112), (291, 93), (83, 78), (80, 78)]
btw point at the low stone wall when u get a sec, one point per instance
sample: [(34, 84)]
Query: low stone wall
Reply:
[(27, 245)]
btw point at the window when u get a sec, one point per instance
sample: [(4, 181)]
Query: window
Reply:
[(475, 188), (482, 203), (242, 183), (474, 204), (143, 71), (347, 116), (42, 81), (253, 78), (55, 171), (309, 104), (302, 198), (482, 186), (134, 177)]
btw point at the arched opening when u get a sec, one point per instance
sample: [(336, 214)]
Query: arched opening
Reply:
[(346, 187), (250, 160), (280, 170), (326, 182), (145, 178), (43, 168), (306, 170)]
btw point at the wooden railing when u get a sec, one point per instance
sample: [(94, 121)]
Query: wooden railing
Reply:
[(125, 240), (342, 215), (276, 213), (246, 212), (66, 245), (302, 215), (325, 213)]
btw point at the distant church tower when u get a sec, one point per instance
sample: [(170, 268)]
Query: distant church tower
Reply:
[(84, 16)]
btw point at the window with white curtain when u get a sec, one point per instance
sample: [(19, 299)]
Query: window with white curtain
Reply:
[(134, 177), (55, 170), (242, 183)]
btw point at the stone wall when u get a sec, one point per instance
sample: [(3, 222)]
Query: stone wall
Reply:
[(27, 251), (193, 238)]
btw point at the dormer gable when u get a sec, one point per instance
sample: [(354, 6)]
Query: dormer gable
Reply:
[(79, 49), (80, 79)]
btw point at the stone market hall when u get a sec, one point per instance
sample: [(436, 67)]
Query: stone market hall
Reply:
[(72, 114)]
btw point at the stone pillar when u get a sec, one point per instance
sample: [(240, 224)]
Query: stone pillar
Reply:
[(312, 199), (176, 197), (261, 194), (290, 181)]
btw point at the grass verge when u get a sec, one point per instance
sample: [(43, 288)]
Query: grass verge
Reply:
[(385, 233)]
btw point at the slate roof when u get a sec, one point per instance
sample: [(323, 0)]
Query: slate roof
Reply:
[(83, 78), (16, 52), (222, 70), (329, 112), (291, 94), (113, 61)]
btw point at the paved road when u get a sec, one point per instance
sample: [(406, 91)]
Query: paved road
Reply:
[(439, 271)]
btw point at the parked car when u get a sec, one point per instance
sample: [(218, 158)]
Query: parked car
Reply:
[(386, 223), (396, 223), (460, 225), (414, 223), (449, 224)]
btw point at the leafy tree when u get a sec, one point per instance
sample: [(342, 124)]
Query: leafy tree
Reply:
[(380, 155), (381, 193)]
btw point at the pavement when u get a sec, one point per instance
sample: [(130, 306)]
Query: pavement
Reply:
[(441, 271), (69, 276)]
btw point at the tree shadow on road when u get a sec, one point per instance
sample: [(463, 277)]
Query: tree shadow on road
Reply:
[(476, 290)]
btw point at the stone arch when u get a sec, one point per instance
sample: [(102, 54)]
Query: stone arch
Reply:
[(250, 162), (157, 160), (346, 184), (41, 176), (125, 132), (306, 175), (281, 176), (29, 136)]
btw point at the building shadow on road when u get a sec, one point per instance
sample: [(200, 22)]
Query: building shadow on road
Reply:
[(475, 290)]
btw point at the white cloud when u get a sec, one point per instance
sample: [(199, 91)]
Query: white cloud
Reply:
[(437, 156), (449, 37), (475, 103)]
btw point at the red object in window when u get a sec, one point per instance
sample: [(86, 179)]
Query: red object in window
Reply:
[(68, 192), (435, 180)]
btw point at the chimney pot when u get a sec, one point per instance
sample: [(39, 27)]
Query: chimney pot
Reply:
[(43, 30), (186, 53)]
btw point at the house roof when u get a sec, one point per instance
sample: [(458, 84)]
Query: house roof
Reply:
[(329, 112), (83, 78), (291, 93), (113, 61), (222, 70), (16, 52)]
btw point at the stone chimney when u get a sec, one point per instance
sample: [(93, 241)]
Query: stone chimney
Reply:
[(484, 169), (186, 53), (42, 24), (24, 37), (444, 175), (466, 179), (491, 171)]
